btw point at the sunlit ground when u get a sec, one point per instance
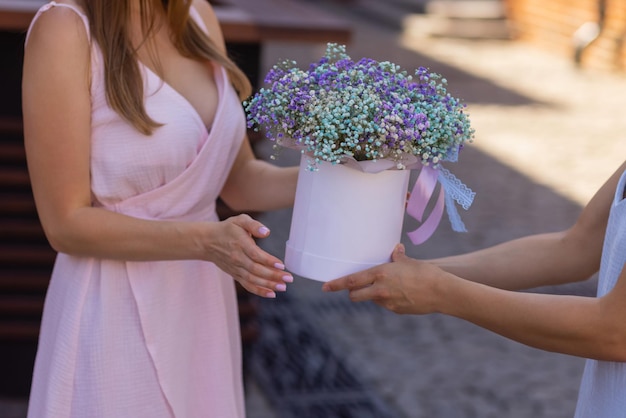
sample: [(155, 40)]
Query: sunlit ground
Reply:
[(571, 141), (570, 136)]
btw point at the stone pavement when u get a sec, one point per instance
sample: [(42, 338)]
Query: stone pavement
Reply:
[(547, 135)]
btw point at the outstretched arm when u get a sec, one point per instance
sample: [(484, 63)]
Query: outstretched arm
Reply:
[(545, 259), (583, 326)]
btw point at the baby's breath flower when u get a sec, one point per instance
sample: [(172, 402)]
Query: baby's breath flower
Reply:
[(365, 109)]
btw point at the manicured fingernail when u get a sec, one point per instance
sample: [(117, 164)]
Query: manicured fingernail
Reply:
[(271, 295), (264, 230), (287, 279), (279, 266), (281, 287)]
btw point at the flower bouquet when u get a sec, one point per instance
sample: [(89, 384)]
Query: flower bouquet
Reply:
[(361, 127)]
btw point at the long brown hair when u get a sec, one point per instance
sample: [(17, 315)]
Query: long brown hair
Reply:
[(109, 23)]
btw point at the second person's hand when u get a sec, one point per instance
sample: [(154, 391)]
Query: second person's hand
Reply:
[(404, 286)]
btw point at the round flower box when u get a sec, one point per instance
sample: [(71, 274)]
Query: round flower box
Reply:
[(344, 219)]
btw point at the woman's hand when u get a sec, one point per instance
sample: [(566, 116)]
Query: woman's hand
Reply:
[(404, 286), (233, 249)]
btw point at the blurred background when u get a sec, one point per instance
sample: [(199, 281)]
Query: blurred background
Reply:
[(544, 83)]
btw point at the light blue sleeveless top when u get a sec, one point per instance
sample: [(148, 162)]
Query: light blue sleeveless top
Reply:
[(603, 387)]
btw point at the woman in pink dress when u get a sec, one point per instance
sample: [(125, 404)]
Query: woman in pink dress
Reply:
[(133, 128)]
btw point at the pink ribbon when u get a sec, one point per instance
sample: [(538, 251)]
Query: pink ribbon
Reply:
[(420, 196)]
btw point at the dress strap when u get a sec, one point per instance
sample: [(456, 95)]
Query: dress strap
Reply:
[(52, 4), (195, 15)]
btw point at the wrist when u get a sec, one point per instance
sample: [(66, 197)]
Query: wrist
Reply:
[(201, 242), (447, 289)]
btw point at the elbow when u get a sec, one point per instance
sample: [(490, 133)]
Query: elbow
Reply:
[(615, 348), (236, 204), (584, 251), (56, 239), (61, 238), (234, 196), (610, 339)]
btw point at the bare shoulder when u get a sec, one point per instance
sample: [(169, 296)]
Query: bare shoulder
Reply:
[(211, 21), (58, 48), (59, 28)]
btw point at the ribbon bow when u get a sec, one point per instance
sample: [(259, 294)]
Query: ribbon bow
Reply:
[(452, 190)]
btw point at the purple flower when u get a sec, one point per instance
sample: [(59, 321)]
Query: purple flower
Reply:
[(365, 109)]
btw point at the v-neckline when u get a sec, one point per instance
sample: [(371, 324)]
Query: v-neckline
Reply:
[(183, 99)]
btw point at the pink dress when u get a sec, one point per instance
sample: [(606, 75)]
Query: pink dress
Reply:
[(146, 339)]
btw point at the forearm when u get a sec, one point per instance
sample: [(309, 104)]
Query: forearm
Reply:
[(528, 262), (101, 233), (545, 259), (582, 326), (261, 186), (571, 325)]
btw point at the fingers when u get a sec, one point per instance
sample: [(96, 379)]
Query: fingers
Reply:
[(261, 291), (256, 255), (252, 226), (261, 286), (263, 274), (352, 281), (258, 271), (371, 292), (266, 289), (263, 264), (398, 253), (250, 253), (364, 278)]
